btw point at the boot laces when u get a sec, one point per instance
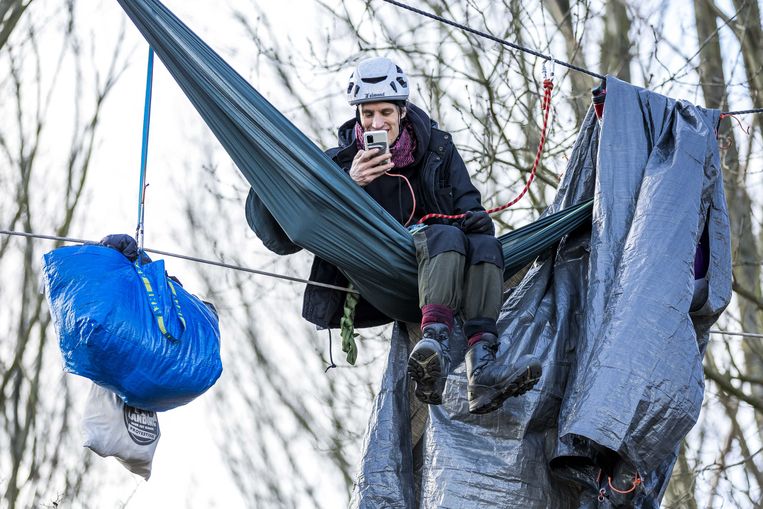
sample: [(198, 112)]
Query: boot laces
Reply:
[(491, 351), (440, 335)]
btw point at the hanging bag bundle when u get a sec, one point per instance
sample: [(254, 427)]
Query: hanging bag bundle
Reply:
[(129, 328)]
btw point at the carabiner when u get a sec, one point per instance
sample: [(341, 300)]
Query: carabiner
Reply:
[(553, 67)]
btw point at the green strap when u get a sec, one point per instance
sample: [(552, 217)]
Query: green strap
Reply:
[(154, 304), (347, 326)]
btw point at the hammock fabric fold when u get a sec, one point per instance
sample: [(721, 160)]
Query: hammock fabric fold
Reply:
[(296, 180)]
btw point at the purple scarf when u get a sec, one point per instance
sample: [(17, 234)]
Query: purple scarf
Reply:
[(402, 150)]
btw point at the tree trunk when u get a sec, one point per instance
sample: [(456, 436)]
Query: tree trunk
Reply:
[(581, 83), (750, 34), (616, 45), (746, 269)]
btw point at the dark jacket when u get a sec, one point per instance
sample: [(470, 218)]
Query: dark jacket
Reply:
[(440, 182)]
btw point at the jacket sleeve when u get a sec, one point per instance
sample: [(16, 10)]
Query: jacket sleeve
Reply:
[(465, 195), (262, 222)]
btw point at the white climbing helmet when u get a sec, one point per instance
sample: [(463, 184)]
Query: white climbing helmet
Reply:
[(377, 79)]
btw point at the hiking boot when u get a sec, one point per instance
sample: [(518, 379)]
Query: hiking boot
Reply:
[(429, 363), (491, 382)]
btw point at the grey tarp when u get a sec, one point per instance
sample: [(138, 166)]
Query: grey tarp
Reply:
[(609, 314)]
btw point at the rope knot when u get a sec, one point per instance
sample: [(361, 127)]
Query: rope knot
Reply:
[(548, 86)]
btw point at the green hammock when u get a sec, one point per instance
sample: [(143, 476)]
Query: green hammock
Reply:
[(314, 201), (523, 245)]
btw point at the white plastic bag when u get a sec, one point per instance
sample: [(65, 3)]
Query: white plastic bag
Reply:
[(112, 428)]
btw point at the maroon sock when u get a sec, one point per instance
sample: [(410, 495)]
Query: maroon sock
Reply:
[(436, 313), (474, 338)]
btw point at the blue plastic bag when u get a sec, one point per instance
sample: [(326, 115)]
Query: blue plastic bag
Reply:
[(129, 329)]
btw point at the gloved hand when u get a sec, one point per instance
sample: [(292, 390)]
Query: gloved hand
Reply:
[(126, 245), (478, 222)]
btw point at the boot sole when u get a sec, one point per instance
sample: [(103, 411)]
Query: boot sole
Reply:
[(493, 398), (424, 369)]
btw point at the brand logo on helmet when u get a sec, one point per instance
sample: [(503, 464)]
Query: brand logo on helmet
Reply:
[(374, 95)]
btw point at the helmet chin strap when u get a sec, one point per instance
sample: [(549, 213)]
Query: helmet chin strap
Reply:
[(403, 111), (399, 132)]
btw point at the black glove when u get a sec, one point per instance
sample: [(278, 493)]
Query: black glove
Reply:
[(478, 222), (126, 245)]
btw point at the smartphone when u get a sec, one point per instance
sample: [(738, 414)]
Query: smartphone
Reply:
[(376, 139)]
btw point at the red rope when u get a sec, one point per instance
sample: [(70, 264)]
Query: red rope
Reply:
[(739, 122), (548, 86)]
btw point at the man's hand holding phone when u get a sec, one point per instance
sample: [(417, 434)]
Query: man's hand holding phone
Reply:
[(374, 161)]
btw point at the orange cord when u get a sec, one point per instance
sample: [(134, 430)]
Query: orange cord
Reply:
[(413, 195), (548, 86), (636, 483)]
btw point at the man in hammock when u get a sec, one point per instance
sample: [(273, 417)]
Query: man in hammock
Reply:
[(460, 265)]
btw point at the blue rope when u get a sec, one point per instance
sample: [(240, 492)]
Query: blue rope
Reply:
[(144, 150)]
